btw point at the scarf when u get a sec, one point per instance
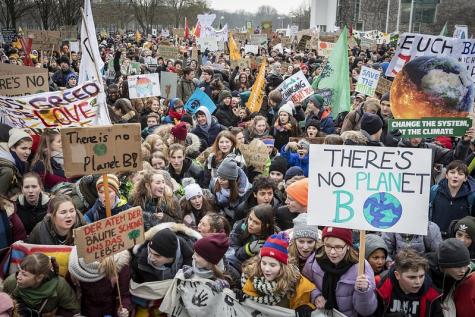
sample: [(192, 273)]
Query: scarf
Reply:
[(58, 157), (88, 273), (33, 297), (332, 274), (20, 165), (201, 272), (266, 289), (282, 128)]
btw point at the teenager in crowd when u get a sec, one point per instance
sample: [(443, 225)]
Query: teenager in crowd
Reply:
[(213, 223), (195, 205)]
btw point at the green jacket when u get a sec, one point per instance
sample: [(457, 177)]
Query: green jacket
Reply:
[(10, 177)]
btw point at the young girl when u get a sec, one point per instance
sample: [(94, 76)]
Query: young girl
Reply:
[(464, 230), (285, 126), (154, 194), (300, 156), (271, 280), (57, 226), (38, 290), (195, 204), (213, 222), (257, 128), (304, 242)]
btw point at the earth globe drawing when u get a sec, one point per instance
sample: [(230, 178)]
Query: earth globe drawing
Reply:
[(432, 86), (382, 210)]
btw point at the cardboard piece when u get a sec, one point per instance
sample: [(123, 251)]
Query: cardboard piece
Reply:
[(44, 40), (102, 149), (110, 236), (243, 63), (258, 39), (286, 41), (255, 154), (142, 86), (384, 86), (167, 52), (168, 84), (18, 80), (302, 44)]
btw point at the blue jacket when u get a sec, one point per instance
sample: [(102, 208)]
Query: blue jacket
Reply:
[(98, 211), (293, 159)]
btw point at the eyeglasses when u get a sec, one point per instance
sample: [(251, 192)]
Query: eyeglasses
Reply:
[(337, 248)]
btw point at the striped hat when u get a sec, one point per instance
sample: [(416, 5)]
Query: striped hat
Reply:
[(276, 247), (113, 182)]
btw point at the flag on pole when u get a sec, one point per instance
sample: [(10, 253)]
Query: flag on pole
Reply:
[(257, 93), (234, 53), (333, 84), (197, 32), (445, 30), (187, 29)]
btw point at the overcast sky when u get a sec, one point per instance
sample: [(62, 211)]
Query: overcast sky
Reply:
[(282, 6)]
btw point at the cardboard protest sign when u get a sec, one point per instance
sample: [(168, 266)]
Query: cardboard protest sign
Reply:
[(325, 48), (75, 107), (8, 34), (167, 52), (302, 44), (461, 31), (286, 41), (102, 149), (255, 154), (370, 188), (384, 85), (296, 88), (248, 48), (431, 127), (168, 84), (243, 63), (368, 81), (44, 40), (258, 39), (367, 44), (142, 86), (18, 80), (207, 43), (197, 99), (110, 236), (266, 27), (241, 37)]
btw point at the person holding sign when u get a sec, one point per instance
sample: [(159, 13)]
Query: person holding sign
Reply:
[(333, 268)]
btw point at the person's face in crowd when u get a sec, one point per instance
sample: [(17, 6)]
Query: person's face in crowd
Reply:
[(305, 246), (270, 149), (155, 106), (223, 182), (355, 74), (151, 121), (215, 93), (190, 76), (159, 145), (178, 67), (176, 160), (242, 113), (335, 249), (227, 101), (207, 77), (415, 141), (311, 108), (411, 281), (26, 279), (293, 205), (290, 69), (102, 196), (113, 94), (261, 126), (201, 262), (204, 226), (457, 273), (72, 82), (305, 70), (248, 71), (66, 49), (64, 66), (377, 260), (386, 108), (283, 117), (193, 65), (270, 268), (254, 225), (31, 189), (264, 196), (235, 102), (157, 259), (464, 237), (456, 178), (157, 186), (74, 56), (65, 217), (312, 131), (277, 68), (302, 150), (276, 176), (126, 62), (53, 64), (158, 163), (197, 202), (225, 145), (23, 150), (359, 64), (56, 145), (242, 79), (201, 118), (240, 138), (179, 107)]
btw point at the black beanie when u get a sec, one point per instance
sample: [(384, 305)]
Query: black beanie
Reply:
[(453, 253), (63, 59), (165, 243), (313, 123), (371, 123), (278, 164), (467, 225)]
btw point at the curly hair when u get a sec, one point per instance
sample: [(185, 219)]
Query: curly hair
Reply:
[(141, 192)]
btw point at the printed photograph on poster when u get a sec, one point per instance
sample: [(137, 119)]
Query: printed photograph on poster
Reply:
[(142, 86)]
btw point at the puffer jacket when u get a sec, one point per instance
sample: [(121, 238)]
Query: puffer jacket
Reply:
[(31, 215), (98, 211), (10, 176), (189, 169), (43, 233)]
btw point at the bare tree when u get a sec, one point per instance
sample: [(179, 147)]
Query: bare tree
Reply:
[(12, 10), (45, 11), (146, 12), (69, 11)]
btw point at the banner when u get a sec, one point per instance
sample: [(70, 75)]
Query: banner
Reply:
[(368, 81), (370, 188), (207, 43), (143, 86), (257, 93), (103, 149), (197, 99), (167, 52), (168, 84), (18, 80), (411, 45), (75, 107), (325, 48), (296, 87), (430, 127), (234, 51)]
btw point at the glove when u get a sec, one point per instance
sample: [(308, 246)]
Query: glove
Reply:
[(187, 271), (254, 246), (219, 285), (123, 312), (303, 311)]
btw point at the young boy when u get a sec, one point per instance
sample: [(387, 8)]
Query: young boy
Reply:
[(153, 121), (406, 290)]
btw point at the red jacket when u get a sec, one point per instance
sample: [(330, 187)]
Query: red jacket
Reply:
[(464, 297)]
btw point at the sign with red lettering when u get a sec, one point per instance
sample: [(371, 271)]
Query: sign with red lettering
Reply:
[(296, 88), (102, 149), (75, 107), (110, 236)]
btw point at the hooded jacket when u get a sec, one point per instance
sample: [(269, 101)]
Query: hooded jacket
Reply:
[(10, 176), (43, 232), (98, 211), (189, 169), (208, 133), (226, 116), (31, 215)]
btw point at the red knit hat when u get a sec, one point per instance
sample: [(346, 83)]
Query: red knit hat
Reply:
[(340, 233), (179, 131), (299, 191), (212, 247), (276, 247)]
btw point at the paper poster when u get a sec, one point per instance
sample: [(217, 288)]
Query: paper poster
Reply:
[(325, 48), (296, 88), (368, 81), (168, 84), (198, 99), (142, 86), (251, 49)]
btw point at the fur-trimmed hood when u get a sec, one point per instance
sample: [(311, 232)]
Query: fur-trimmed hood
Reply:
[(7, 205), (193, 145), (44, 199)]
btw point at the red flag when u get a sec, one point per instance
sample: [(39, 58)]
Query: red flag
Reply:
[(26, 44), (197, 30), (187, 29)]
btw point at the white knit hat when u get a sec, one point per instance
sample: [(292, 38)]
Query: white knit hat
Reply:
[(193, 190), (16, 135), (288, 107)]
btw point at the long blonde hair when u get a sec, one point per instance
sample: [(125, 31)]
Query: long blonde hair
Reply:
[(43, 153), (141, 193)]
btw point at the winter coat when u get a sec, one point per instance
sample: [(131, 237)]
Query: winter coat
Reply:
[(293, 159), (98, 211), (301, 296), (422, 244), (464, 297), (59, 77), (189, 169), (43, 232), (185, 89), (327, 125), (207, 136), (444, 208), (350, 301), (11, 227), (226, 116), (31, 215), (369, 141), (282, 137), (284, 218), (152, 208), (50, 179), (193, 145), (10, 176), (352, 120), (211, 165)]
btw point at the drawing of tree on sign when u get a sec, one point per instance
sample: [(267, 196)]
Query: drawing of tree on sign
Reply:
[(133, 235)]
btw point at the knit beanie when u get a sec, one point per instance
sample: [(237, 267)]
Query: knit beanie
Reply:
[(165, 243), (371, 123), (276, 247), (288, 107), (303, 144), (312, 122), (467, 225), (212, 247), (299, 191), (179, 131), (340, 233), (63, 59), (303, 230), (193, 190), (453, 253), (228, 169), (374, 242), (278, 164), (224, 94), (113, 183), (16, 135), (293, 171)]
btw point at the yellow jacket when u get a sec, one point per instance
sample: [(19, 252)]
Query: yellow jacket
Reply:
[(301, 296)]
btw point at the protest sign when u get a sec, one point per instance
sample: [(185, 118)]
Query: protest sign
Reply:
[(411, 45), (167, 52), (257, 92), (367, 44), (22, 80), (302, 44), (248, 48), (294, 29), (74, 46), (296, 88), (431, 127), (384, 85), (255, 154), (197, 99), (243, 63), (102, 149), (241, 37), (325, 48), (258, 39), (44, 40), (142, 86), (461, 32), (8, 34), (368, 81), (279, 48), (207, 43), (286, 41), (110, 236), (194, 53), (154, 32), (75, 107), (266, 27), (370, 188), (168, 84)]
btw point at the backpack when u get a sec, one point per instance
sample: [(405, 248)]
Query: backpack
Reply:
[(433, 193)]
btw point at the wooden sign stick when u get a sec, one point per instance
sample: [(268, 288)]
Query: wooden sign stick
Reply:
[(361, 257), (106, 192), (118, 287)]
